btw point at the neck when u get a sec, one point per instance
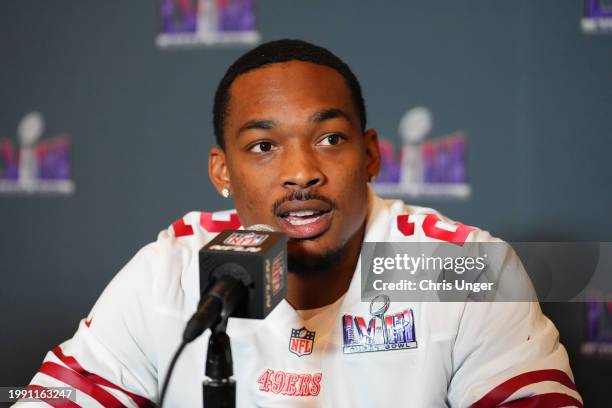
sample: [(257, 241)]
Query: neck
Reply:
[(321, 288)]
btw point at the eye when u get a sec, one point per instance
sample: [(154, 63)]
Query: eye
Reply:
[(261, 147), (332, 139)]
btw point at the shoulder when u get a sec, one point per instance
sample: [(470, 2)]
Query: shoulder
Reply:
[(189, 233), (404, 222), (166, 270), (202, 223)]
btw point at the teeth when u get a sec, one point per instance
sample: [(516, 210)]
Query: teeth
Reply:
[(301, 213), (294, 221)]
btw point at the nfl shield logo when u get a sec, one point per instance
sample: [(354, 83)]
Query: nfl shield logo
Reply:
[(245, 239), (301, 341)]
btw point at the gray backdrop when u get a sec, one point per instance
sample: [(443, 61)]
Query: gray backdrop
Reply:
[(532, 92)]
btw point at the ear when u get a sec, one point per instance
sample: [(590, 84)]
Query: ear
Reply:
[(372, 153), (217, 169)]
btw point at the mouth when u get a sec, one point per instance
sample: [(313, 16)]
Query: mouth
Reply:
[(304, 219)]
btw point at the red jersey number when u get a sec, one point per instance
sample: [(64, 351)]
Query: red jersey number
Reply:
[(432, 230)]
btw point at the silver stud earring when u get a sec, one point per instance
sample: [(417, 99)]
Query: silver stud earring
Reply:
[(225, 192)]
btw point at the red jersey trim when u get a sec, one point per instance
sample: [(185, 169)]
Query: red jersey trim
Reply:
[(549, 400), (96, 379), (500, 393), (79, 382)]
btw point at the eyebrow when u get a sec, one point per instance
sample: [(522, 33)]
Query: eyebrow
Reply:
[(317, 117), (328, 114), (264, 124)]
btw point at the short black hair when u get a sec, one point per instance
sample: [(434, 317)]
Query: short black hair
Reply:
[(282, 51)]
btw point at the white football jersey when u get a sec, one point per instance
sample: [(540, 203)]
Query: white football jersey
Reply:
[(453, 354)]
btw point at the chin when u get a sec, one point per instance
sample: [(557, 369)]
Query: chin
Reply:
[(308, 247), (307, 261)]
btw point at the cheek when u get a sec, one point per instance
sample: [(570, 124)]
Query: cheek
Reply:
[(250, 196), (351, 194), (351, 163), (350, 177)]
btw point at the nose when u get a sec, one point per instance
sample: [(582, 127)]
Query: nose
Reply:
[(301, 170)]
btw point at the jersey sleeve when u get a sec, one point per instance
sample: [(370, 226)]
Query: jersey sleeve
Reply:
[(107, 361), (113, 359), (505, 354), (508, 354)]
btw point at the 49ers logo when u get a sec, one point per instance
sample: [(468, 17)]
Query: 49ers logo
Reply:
[(292, 384)]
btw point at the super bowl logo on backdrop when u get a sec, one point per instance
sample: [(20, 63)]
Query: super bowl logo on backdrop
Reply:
[(245, 239), (206, 22), (598, 340), (36, 165), (382, 331), (422, 166), (301, 341), (597, 16)]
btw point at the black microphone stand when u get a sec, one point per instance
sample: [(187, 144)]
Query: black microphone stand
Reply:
[(218, 388)]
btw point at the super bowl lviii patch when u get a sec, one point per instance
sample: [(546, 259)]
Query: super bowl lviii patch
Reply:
[(379, 331)]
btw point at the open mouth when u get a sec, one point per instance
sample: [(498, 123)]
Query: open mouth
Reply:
[(304, 219)]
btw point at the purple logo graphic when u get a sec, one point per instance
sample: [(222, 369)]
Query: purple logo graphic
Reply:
[(178, 16), (381, 332), (8, 161), (422, 166), (597, 17), (598, 341), (206, 22), (444, 160), (236, 15), (598, 8), (599, 321), (35, 165)]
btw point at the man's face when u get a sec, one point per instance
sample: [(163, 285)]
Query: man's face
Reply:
[(295, 157)]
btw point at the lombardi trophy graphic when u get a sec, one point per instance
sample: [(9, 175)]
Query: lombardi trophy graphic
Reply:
[(378, 308), (413, 127), (29, 131)]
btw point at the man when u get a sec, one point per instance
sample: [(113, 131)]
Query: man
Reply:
[(294, 153)]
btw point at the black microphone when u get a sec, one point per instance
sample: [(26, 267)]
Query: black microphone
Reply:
[(243, 273)]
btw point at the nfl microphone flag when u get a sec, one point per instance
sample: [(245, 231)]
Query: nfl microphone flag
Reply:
[(258, 258)]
